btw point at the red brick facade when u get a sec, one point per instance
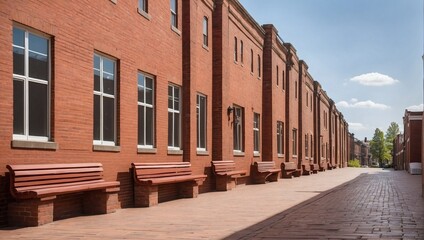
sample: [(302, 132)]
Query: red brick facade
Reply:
[(275, 87), (412, 122)]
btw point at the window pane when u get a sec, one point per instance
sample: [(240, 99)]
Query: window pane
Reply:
[(141, 93), (38, 66), (149, 126), (96, 61), (108, 76), (202, 122), (108, 119), (38, 109), (18, 107), (18, 37), (96, 118), (18, 61), (38, 44), (170, 95), (170, 128), (176, 130), (149, 93), (141, 125), (176, 98), (174, 5)]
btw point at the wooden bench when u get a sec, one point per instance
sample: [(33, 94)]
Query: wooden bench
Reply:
[(289, 170), (226, 174), (148, 176), (306, 169), (314, 168), (265, 171), (322, 166), (35, 187), (331, 166)]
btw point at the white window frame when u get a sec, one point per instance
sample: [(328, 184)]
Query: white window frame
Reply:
[(146, 105), (175, 146), (174, 14), (256, 131), (280, 137), (205, 31), (238, 129), (143, 5), (26, 79), (102, 94), (198, 120)]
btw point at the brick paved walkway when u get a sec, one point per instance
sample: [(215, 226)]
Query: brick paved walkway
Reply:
[(339, 204)]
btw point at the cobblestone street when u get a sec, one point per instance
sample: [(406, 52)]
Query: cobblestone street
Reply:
[(340, 204)]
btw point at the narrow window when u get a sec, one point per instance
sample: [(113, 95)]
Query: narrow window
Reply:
[(294, 139), (174, 117), (311, 102), (256, 132), (201, 106), (238, 129), (251, 60), (31, 85), (280, 137), (241, 52), (142, 5), (174, 13), (295, 89), (307, 99), (235, 49), (145, 110), (283, 81), (306, 145), (312, 147), (104, 129), (277, 76), (205, 31), (259, 66)]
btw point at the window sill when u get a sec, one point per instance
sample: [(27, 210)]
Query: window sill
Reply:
[(238, 154), (35, 145), (144, 14), (205, 47), (202, 153), (147, 150), (235, 61), (176, 30), (105, 148), (256, 154), (175, 152), (280, 155), (114, 1)]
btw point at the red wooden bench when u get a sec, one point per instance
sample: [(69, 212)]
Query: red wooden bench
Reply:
[(314, 167), (148, 176), (35, 187), (226, 174), (289, 170), (306, 169), (265, 171)]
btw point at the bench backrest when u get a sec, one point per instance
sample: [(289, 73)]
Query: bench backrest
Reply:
[(265, 166), (160, 170), (36, 176), (289, 165), (223, 166)]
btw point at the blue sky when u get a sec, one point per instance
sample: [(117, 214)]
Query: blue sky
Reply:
[(367, 54)]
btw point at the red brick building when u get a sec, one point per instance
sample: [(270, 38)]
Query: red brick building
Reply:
[(118, 82), (412, 123), (398, 153)]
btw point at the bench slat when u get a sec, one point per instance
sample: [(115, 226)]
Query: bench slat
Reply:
[(55, 171), (52, 166), (176, 179), (44, 192), (56, 181)]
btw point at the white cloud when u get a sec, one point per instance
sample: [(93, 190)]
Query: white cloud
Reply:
[(356, 126), (374, 79), (354, 103), (416, 108)]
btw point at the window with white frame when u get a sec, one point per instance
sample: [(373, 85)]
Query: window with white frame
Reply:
[(201, 106), (146, 115), (280, 137), (256, 133), (294, 139), (235, 50), (241, 51), (259, 66), (174, 13), (174, 117), (104, 129), (251, 60), (238, 129), (31, 85), (205, 31), (142, 5)]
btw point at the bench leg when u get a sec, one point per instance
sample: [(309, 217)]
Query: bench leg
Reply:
[(31, 213), (273, 177), (285, 174), (225, 183), (188, 190), (145, 196), (101, 201)]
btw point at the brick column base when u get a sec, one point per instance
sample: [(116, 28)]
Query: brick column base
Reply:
[(188, 189), (145, 195), (101, 201), (31, 212), (225, 183)]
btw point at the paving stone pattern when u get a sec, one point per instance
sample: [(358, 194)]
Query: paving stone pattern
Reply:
[(339, 204)]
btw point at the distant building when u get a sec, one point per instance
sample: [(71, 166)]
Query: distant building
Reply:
[(412, 123), (398, 153), (359, 150)]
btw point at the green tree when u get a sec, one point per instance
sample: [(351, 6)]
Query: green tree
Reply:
[(391, 133), (378, 147)]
